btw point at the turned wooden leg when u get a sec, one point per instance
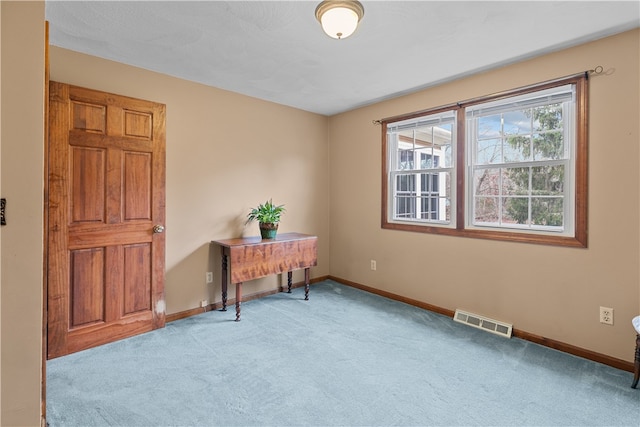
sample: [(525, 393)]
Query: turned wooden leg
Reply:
[(306, 284), (289, 281), (224, 281), (636, 364), (238, 300)]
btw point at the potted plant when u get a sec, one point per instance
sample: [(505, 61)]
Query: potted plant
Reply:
[(268, 216)]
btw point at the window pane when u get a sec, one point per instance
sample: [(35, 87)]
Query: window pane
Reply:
[(517, 148), (490, 126), (517, 122), (486, 182), (548, 146), (434, 144), (548, 117), (405, 159), (428, 160), (486, 210), (446, 160), (489, 151), (445, 209), (406, 182), (547, 211), (429, 208), (423, 196), (425, 147), (515, 210), (405, 206), (547, 180), (430, 183), (442, 145), (549, 123), (405, 196), (516, 181), (443, 183)]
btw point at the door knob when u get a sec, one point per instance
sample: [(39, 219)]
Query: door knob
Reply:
[(158, 229)]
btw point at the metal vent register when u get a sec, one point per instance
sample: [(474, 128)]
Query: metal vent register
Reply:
[(484, 323)]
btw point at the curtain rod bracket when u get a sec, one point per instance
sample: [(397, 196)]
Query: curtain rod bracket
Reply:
[(598, 70), (376, 122)]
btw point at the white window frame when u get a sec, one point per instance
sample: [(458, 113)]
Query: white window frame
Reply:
[(533, 99), (392, 173)]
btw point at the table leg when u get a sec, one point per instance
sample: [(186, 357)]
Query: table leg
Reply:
[(289, 281), (636, 365), (224, 280), (306, 284), (238, 300)]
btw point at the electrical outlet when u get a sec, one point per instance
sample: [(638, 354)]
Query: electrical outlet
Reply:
[(374, 265), (606, 315), (209, 277), (204, 303)]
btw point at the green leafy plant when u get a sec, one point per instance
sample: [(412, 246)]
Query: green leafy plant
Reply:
[(266, 213)]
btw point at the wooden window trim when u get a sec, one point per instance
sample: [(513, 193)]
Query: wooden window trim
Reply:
[(580, 237)]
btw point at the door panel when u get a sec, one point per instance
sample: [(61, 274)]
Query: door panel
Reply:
[(87, 287), (137, 278), (88, 167), (106, 193), (137, 185)]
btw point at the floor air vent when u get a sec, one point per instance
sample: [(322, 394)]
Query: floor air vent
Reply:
[(484, 323)]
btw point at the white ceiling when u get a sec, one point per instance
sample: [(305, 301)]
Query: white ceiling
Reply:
[(276, 50)]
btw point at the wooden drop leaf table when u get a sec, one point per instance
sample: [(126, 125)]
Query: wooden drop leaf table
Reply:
[(249, 258)]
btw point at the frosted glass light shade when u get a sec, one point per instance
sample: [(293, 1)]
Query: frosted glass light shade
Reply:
[(339, 19)]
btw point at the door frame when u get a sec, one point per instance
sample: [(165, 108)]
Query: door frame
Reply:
[(46, 252), (45, 234)]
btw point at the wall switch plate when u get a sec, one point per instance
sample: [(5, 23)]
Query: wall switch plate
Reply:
[(209, 277)]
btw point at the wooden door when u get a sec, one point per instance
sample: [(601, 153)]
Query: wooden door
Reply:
[(106, 195)]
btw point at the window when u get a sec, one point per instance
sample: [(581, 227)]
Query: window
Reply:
[(507, 167), (421, 159)]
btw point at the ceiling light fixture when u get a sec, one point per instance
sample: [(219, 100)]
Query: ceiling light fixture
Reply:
[(339, 19)]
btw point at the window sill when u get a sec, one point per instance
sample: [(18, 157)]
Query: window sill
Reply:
[(578, 241)]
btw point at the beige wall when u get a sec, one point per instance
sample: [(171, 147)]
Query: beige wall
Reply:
[(550, 291), (225, 153), (21, 180), (222, 148)]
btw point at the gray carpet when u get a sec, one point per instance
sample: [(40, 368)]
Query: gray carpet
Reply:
[(343, 358)]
